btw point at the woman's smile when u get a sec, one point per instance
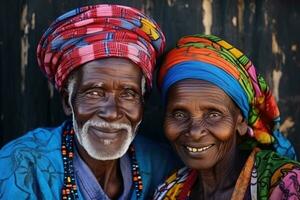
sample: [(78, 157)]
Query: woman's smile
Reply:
[(203, 149)]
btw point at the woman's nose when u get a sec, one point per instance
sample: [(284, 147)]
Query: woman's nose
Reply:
[(197, 130)]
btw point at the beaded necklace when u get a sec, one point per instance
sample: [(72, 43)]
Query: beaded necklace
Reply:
[(69, 190)]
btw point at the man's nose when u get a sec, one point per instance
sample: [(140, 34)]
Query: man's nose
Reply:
[(110, 110)]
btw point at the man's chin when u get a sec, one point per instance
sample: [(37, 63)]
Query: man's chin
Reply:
[(106, 151)]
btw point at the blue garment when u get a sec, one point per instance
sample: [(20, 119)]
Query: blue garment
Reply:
[(31, 166)]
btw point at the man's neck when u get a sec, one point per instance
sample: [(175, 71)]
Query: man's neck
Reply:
[(107, 172)]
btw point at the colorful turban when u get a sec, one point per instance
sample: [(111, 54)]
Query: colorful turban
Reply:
[(99, 31), (209, 58)]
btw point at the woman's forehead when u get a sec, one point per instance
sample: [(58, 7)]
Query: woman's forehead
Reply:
[(203, 92)]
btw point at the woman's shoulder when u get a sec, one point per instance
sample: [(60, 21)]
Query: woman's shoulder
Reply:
[(278, 176), (268, 157), (172, 186)]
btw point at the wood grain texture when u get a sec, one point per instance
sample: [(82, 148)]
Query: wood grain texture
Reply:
[(267, 31)]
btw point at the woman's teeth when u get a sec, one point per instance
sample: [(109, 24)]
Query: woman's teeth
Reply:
[(193, 149)]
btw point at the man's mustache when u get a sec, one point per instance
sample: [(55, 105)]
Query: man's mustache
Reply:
[(104, 124)]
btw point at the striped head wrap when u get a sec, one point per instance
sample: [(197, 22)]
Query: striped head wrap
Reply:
[(99, 31), (209, 58)]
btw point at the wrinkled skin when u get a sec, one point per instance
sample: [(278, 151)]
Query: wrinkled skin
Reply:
[(203, 125), (107, 92)]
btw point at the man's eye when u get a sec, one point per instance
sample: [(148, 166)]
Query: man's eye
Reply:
[(179, 115), (95, 93), (129, 94)]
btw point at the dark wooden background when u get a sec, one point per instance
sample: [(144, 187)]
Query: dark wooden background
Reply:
[(268, 31)]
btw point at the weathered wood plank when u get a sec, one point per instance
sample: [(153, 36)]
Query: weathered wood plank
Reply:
[(267, 31)]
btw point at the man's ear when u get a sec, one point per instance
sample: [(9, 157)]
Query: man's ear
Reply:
[(241, 125), (65, 102)]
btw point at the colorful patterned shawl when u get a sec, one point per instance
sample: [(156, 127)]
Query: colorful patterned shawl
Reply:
[(268, 175)]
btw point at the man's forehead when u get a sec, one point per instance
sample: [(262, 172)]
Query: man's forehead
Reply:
[(99, 76), (117, 66)]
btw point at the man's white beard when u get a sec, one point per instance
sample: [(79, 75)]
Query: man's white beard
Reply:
[(85, 141)]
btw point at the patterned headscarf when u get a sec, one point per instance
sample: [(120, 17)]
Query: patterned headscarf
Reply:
[(209, 58), (99, 31)]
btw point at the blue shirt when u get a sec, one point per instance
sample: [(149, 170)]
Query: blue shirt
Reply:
[(90, 187)]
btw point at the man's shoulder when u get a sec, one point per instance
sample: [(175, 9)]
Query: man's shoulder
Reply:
[(155, 153), (156, 161), (32, 164), (39, 139), (149, 146)]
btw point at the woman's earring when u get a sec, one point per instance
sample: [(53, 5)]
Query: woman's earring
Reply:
[(250, 131)]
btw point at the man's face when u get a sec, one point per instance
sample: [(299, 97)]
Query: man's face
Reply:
[(107, 106)]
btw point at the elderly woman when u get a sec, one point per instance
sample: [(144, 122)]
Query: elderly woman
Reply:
[(223, 122)]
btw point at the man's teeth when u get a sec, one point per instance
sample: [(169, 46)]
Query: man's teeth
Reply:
[(193, 149)]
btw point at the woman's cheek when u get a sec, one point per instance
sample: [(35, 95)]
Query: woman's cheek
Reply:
[(222, 131), (173, 129), (170, 129)]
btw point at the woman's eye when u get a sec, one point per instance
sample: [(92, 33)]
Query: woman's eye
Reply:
[(214, 115), (179, 115)]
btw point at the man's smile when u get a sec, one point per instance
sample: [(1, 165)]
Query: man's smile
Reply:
[(106, 133)]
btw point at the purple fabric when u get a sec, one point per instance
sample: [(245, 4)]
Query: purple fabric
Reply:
[(288, 188), (88, 184)]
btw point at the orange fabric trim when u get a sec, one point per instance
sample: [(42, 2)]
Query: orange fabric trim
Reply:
[(244, 177), (195, 54)]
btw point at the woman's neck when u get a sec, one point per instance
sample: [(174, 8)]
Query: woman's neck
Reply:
[(219, 181)]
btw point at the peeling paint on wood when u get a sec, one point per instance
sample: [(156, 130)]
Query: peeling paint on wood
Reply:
[(276, 49), (51, 89), (234, 21), (24, 25), (276, 81), (287, 124), (275, 46), (267, 31), (294, 47), (171, 2), (252, 8), (241, 8), (266, 19), (147, 7), (207, 15), (33, 21)]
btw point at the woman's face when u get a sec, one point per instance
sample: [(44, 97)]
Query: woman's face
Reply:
[(201, 122)]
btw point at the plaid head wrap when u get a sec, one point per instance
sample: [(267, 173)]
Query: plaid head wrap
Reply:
[(99, 31), (209, 58)]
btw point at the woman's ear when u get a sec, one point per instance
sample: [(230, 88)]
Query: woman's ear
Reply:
[(242, 126), (65, 102)]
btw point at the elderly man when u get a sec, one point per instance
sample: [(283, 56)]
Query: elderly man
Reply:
[(101, 59)]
